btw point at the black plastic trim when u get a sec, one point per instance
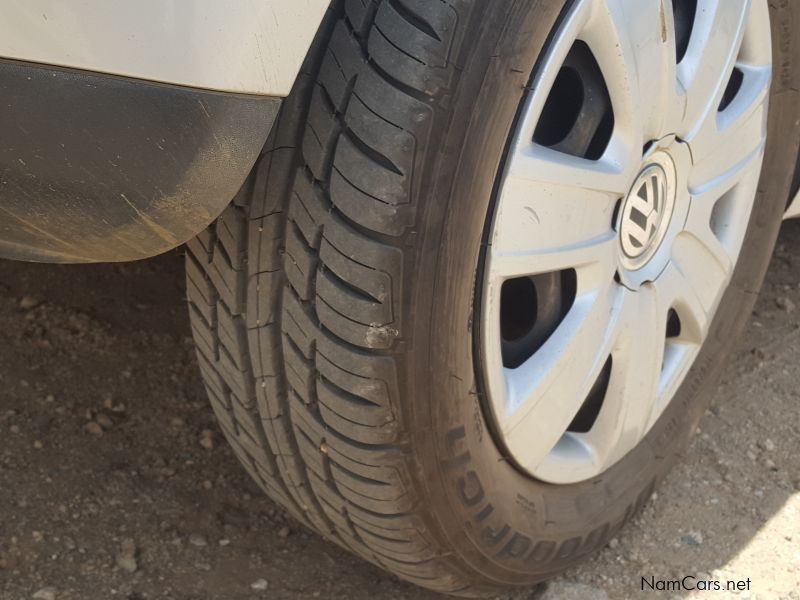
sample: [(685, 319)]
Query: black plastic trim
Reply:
[(98, 167)]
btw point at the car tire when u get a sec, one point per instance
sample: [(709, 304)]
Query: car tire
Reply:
[(335, 310)]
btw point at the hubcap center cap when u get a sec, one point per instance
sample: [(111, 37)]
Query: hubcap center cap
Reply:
[(646, 212)]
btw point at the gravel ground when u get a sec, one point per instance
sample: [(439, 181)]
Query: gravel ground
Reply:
[(115, 482)]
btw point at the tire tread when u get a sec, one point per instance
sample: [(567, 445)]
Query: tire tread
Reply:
[(295, 291)]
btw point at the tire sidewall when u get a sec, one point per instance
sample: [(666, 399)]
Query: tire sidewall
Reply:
[(501, 522)]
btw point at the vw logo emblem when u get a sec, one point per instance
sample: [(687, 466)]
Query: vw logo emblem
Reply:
[(643, 212)]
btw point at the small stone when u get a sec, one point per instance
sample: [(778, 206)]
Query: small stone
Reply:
[(176, 422), (126, 559), (785, 304), (284, 532), (29, 302), (46, 593), (104, 421), (224, 542), (207, 485), (693, 538), (770, 464), (38, 445), (613, 543), (198, 540), (768, 445), (127, 564), (14, 429), (259, 585), (93, 428), (207, 439)]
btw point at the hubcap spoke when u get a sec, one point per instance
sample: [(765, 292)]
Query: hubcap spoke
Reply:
[(634, 44), (554, 213), (716, 224), (591, 258), (729, 139), (728, 153), (684, 288), (542, 166), (633, 389), (546, 392), (713, 49)]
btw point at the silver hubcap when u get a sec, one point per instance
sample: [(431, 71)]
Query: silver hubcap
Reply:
[(607, 262)]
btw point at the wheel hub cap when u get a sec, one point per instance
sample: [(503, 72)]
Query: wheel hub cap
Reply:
[(606, 263), (653, 213), (646, 214)]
